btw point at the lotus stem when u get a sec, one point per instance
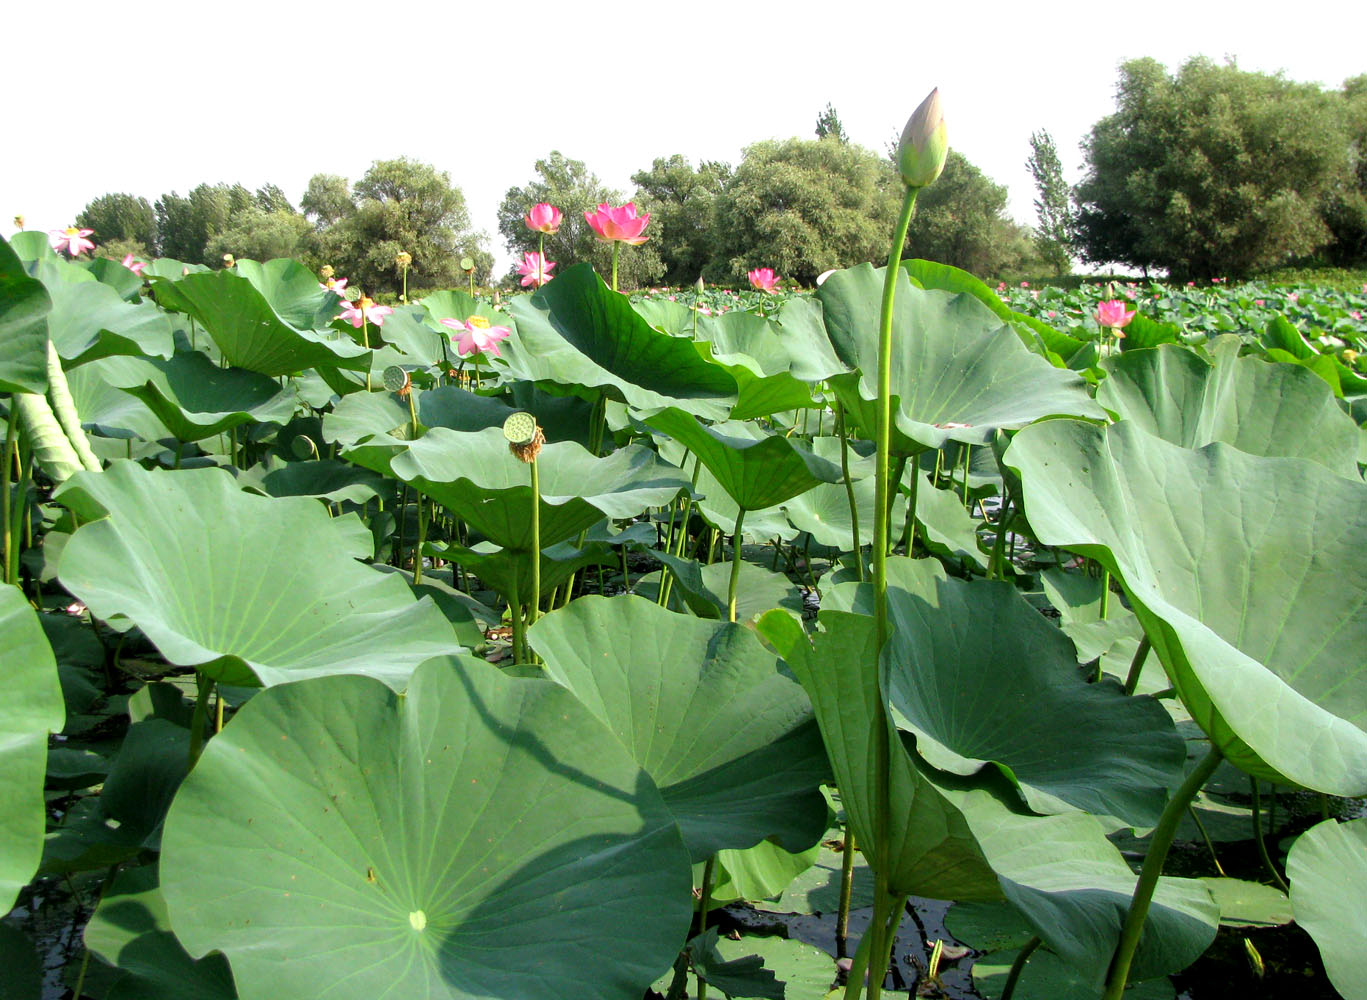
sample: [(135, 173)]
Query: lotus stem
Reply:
[(11, 442), (968, 452), (519, 627), (1258, 837), (909, 528), (535, 605), (735, 567), (1137, 664), (1105, 592), (859, 967), (422, 537), (1157, 853), (615, 245), (204, 686), (1210, 846), (64, 407), (18, 516), (849, 487), (842, 913), (1018, 966), (705, 904), (365, 342)]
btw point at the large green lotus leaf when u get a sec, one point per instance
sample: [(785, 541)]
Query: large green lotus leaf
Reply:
[(476, 476), (455, 304), (1261, 408), (705, 709), (947, 278), (364, 415), (1241, 571), (131, 930), (931, 850), (811, 356), (712, 503), (90, 320), (562, 418), (824, 513), (1327, 867), (980, 677), (1048, 977), (508, 572), (293, 291), (816, 890), (759, 872), (757, 468), (967, 838), (406, 329), (958, 372), (195, 398), (24, 306), (21, 974), (244, 322), (704, 590), (576, 331), (273, 593), (108, 410), (479, 836), (327, 479), (32, 708), (749, 347), (117, 277), (949, 530)]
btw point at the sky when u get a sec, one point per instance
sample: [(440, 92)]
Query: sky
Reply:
[(158, 96)]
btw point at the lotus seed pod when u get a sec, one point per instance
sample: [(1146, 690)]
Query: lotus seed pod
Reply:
[(396, 379), (404, 259), (18, 222), (925, 144), (229, 260)]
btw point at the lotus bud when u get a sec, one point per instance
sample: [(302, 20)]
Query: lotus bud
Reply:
[(925, 144), (326, 271), (698, 285), (18, 222)]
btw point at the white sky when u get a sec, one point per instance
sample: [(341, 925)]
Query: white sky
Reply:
[(154, 96)]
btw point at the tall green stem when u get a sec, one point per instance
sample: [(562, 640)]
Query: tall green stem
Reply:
[(883, 436), (615, 245), (422, 537), (735, 568), (1137, 665), (842, 913), (705, 904), (200, 717), (535, 606), (1163, 834), (365, 342), (849, 487), (11, 442), (1018, 966), (1258, 836)]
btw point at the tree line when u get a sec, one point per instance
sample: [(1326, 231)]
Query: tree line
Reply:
[(1211, 171)]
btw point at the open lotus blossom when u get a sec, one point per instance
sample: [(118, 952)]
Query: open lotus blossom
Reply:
[(133, 264), (618, 224), (543, 218), (535, 269), (71, 240), (476, 336), (1113, 315), (337, 285), (764, 279), (363, 310)]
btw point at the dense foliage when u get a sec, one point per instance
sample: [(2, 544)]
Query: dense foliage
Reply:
[(1217, 171)]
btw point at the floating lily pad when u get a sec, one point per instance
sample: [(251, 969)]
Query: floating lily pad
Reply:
[(1327, 868), (479, 836), (272, 594)]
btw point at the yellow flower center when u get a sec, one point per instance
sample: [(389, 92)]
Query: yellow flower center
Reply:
[(72, 231), (365, 303), (480, 321)]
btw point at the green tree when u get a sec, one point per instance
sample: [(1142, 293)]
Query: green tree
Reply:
[(186, 224), (803, 206), (1211, 172), (328, 200), (570, 186), (828, 124), (399, 206), (1053, 209), (123, 218), (681, 202), (259, 234), (1345, 206), (961, 220)]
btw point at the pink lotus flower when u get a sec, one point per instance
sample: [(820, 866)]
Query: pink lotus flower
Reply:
[(543, 218), (535, 269), (1112, 314), (476, 336), (337, 285), (1001, 286), (133, 265), (363, 310), (764, 279), (1259, 302), (618, 224), (71, 240)]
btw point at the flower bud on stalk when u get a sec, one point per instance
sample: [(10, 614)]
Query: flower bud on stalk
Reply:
[(925, 144)]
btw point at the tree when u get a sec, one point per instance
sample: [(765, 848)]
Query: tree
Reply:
[(398, 206), (1053, 235), (803, 206), (828, 124), (1345, 207), (186, 224), (681, 201), (961, 220), (1212, 172), (328, 200), (123, 218), (571, 187), (259, 234)]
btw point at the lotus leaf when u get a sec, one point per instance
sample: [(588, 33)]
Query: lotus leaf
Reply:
[(479, 836), (704, 709), (272, 594), (24, 306), (1238, 568), (32, 708), (1327, 867)]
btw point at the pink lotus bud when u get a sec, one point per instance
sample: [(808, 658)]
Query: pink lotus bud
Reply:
[(925, 144)]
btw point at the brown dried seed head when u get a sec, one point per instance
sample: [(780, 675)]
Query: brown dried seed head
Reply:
[(528, 452)]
